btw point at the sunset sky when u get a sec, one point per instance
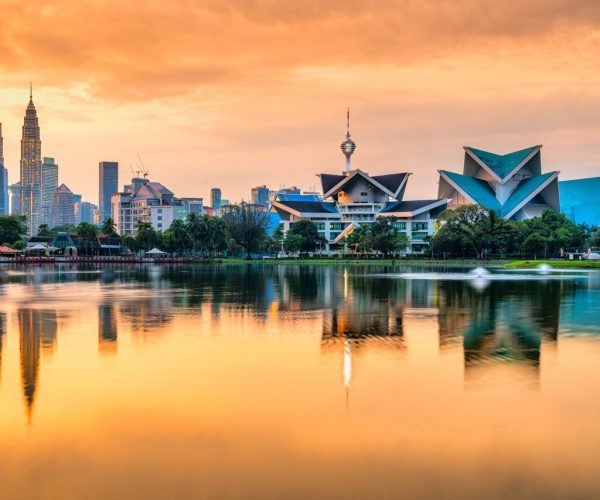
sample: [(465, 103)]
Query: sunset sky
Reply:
[(244, 92)]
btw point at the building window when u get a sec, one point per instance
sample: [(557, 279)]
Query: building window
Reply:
[(419, 226), (400, 226), (364, 194)]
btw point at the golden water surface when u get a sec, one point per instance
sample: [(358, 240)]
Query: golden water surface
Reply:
[(297, 382)]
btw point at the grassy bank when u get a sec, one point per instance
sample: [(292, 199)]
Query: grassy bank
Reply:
[(556, 264)]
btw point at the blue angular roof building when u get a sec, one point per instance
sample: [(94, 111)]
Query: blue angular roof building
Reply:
[(512, 184), (580, 200)]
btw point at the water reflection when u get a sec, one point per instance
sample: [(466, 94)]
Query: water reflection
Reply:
[(107, 328), (358, 309), (324, 381)]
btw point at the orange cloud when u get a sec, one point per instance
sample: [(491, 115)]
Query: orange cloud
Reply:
[(249, 91)]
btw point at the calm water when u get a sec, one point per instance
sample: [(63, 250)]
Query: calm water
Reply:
[(298, 382)]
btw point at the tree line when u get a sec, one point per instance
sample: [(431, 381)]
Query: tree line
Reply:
[(475, 231), (469, 231)]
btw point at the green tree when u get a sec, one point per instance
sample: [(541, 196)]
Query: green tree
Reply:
[(12, 228), (109, 228), (557, 231), (359, 240), (130, 243), (307, 230), (44, 230), (88, 236), (146, 237), (247, 226), (87, 232), (177, 238), (473, 228), (196, 229), (536, 244), (385, 237), (275, 242), (594, 238), (218, 236), (292, 243)]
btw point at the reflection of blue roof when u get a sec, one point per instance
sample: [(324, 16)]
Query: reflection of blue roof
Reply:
[(479, 190), (523, 190), (580, 200), (502, 165)]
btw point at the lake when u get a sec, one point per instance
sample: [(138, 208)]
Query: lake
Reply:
[(288, 381)]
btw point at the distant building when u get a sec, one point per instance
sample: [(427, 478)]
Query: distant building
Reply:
[(579, 200), (152, 202), (15, 198), (288, 190), (224, 203), (512, 185), (62, 213), (215, 198), (260, 196), (193, 205), (354, 198), (49, 185), (108, 183), (84, 212), (31, 169), (4, 201)]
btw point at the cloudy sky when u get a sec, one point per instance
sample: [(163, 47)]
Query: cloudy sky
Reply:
[(243, 92)]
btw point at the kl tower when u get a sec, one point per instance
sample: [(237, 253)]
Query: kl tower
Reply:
[(348, 146)]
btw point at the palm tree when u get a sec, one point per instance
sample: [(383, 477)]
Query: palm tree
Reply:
[(109, 227)]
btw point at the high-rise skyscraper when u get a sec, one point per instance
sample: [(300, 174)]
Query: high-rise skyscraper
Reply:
[(260, 196), (31, 168), (108, 185), (62, 207), (15, 198), (49, 185), (3, 179), (215, 198)]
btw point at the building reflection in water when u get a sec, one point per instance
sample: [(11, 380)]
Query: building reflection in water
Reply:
[(2, 335), (503, 321), (500, 323), (107, 328), (37, 328)]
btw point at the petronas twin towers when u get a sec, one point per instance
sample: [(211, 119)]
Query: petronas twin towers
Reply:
[(31, 169)]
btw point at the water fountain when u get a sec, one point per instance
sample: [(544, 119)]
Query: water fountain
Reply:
[(479, 273), (544, 268)]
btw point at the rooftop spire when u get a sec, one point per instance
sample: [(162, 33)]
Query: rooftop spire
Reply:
[(30, 90), (348, 123), (348, 146)]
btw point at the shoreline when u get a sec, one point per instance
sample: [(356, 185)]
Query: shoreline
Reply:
[(507, 264)]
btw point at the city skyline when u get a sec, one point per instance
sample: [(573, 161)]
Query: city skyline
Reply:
[(243, 114)]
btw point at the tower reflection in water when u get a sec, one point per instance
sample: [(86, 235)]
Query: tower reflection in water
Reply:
[(37, 329), (107, 328)]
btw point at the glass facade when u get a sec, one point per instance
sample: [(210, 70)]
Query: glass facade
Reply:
[(109, 184)]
